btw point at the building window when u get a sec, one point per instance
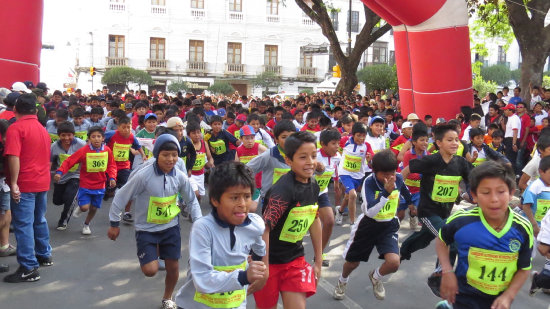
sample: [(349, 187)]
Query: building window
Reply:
[(306, 60), (158, 2), (272, 7), (236, 5), (354, 21), (501, 55), (392, 57), (234, 52), (196, 51), (158, 48), (379, 52), (270, 54), (116, 46), (197, 4), (334, 19)]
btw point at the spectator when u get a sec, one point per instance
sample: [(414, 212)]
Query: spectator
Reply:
[(57, 97)]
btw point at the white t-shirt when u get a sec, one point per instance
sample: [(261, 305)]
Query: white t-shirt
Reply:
[(330, 163), (532, 169), (513, 123), (538, 118), (466, 135)]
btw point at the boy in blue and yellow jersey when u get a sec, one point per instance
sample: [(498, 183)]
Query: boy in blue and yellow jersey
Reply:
[(494, 244), (219, 142)]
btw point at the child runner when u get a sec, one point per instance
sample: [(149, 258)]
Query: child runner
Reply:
[(406, 132), (247, 151), (64, 191), (494, 244), (261, 135), (542, 280), (481, 152), (148, 131), (97, 165), (219, 142), (61, 115), (220, 275), (378, 224), (95, 117), (290, 212), (154, 190), (81, 125), (312, 123), (203, 158)]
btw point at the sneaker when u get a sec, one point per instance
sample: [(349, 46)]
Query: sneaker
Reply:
[(326, 262), (162, 264), (23, 275), (534, 289), (10, 250), (413, 223), (61, 226), (339, 291), (86, 230), (443, 305), (351, 225), (77, 212), (338, 217), (168, 304), (434, 283), (44, 261), (127, 218), (377, 287)]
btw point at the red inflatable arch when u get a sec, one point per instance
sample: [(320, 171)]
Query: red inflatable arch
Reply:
[(432, 54), (21, 37)]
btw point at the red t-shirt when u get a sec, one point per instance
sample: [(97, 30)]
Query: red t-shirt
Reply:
[(525, 123), (201, 151), (7, 115), (130, 141), (414, 185), (232, 129), (247, 154), (28, 139), (90, 180), (398, 144), (271, 123), (307, 128)]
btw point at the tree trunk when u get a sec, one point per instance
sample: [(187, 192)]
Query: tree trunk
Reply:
[(348, 80), (532, 68)]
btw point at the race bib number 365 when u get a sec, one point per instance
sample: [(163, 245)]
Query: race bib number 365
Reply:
[(445, 188), (490, 271)]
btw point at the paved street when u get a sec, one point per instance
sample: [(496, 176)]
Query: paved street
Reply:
[(95, 272)]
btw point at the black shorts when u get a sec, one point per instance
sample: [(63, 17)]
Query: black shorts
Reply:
[(369, 233), (469, 301), (323, 200), (168, 242), (122, 177)]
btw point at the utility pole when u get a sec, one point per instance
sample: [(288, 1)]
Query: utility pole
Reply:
[(349, 29), (92, 56)]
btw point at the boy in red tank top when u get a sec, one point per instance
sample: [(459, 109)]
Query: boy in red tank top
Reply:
[(247, 151), (204, 158)]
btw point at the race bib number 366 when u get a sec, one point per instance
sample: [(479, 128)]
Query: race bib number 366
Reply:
[(96, 162), (490, 271), (445, 188)]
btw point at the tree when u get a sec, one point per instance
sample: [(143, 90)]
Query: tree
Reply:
[(177, 86), (221, 87), (123, 76), (500, 74), (319, 12), (526, 19), (266, 80), (380, 76)]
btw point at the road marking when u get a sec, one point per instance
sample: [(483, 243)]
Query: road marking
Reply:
[(329, 288)]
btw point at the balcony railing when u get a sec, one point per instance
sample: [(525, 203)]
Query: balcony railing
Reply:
[(158, 9), (116, 61), (307, 72), (234, 68), (306, 21), (196, 66), (273, 69), (158, 64), (117, 7), (235, 16), (198, 14), (272, 18)]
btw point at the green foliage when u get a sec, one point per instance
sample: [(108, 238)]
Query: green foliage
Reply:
[(484, 86), (491, 21), (380, 76), (546, 81), (500, 74), (266, 80), (307, 91), (176, 86), (515, 75), (123, 76), (221, 87)]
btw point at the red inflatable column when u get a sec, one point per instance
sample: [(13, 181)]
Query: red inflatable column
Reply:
[(21, 37)]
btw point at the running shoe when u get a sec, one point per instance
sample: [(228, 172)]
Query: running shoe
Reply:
[(168, 304), (127, 218), (61, 226), (377, 287), (44, 261), (23, 275), (339, 291), (10, 250), (326, 262), (162, 264), (434, 282), (339, 216), (86, 230), (443, 305), (77, 212), (534, 289)]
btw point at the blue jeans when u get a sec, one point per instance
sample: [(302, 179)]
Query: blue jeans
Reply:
[(31, 228)]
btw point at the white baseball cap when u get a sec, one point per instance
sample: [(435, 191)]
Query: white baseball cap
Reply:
[(19, 86), (406, 124)]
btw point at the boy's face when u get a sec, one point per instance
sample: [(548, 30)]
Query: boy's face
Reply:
[(303, 162), (279, 115), (364, 120), (207, 106), (160, 116), (449, 143), (125, 129), (282, 137), (195, 135), (429, 122), (216, 126), (389, 118), (337, 115), (544, 123), (78, 121), (248, 141), (545, 176), (331, 148), (94, 103), (230, 121), (359, 138), (475, 123), (478, 140), (59, 120), (377, 128), (96, 139), (414, 121), (545, 152), (234, 204), (255, 124), (95, 117), (497, 141), (407, 132), (299, 117), (141, 111), (421, 143), (312, 123), (66, 139), (383, 177), (492, 196), (167, 159), (347, 127), (150, 124), (179, 131)]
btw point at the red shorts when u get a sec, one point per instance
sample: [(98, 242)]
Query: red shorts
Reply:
[(296, 276)]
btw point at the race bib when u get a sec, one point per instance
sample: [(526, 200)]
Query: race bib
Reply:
[(218, 146), (83, 135), (54, 137), (278, 172), (445, 188), (542, 209), (63, 157), (490, 271), (478, 161), (460, 150), (323, 180), (121, 152), (412, 183), (200, 161), (232, 299), (96, 161), (398, 147), (162, 209), (297, 223), (390, 208), (246, 159), (352, 163), (237, 134)]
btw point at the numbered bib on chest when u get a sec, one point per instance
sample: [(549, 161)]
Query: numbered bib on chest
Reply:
[(218, 146), (83, 135), (390, 208), (237, 134), (96, 161), (162, 209), (323, 180), (231, 299), (445, 188), (63, 157), (490, 271), (54, 137), (200, 161), (121, 151), (542, 209), (352, 163), (412, 183), (297, 223), (246, 159), (278, 172)]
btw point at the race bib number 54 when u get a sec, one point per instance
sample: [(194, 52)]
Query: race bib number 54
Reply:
[(162, 209)]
